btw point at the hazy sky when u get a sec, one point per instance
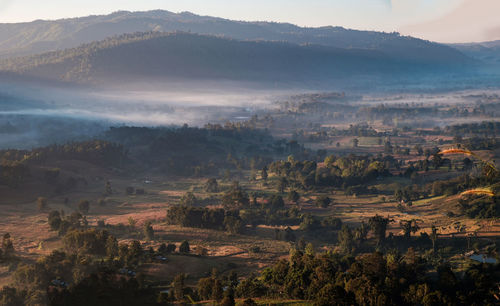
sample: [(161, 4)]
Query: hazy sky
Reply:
[(416, 17)]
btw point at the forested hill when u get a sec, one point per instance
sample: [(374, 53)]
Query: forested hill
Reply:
[(20, 39), (185, 55)]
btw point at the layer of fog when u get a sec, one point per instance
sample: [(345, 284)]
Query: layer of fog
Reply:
[(34, 115), (168, 106)]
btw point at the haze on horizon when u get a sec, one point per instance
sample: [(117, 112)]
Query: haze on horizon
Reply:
[(447, 21)]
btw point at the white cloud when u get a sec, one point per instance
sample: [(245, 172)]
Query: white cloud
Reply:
[(470, 21)]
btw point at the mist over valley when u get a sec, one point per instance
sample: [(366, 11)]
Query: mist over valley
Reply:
[(160, 158)]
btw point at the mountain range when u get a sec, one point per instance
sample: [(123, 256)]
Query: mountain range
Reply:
[(41, 36), (127, 45)]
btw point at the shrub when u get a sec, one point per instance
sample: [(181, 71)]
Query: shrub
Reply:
[(323, 201), (129, 190), (84, 206), (184, 247)]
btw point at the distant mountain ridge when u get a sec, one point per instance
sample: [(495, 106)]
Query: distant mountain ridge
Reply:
[(40, 36), (160, 55), (487, 52)]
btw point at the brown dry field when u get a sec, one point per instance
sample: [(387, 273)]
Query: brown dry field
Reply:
[(33, 238)]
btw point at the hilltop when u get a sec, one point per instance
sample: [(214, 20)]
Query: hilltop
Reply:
[(20, 39)]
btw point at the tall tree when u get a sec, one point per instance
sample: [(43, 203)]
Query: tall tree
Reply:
[(434, 237), (409, 227), (178, 286), (293, 196), (282, 183), (264, 174), (378, 225), (149, 232), (345, 238)]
